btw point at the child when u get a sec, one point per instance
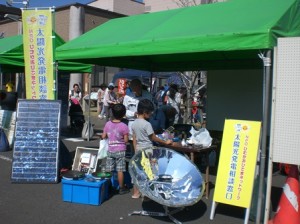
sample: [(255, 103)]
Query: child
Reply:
[(195, 112), (143, 133), (117, 134)]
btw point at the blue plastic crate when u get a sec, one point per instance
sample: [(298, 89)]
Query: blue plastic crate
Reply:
[(85, 192)]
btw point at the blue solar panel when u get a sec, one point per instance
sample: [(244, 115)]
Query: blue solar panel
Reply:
[(35, 155)]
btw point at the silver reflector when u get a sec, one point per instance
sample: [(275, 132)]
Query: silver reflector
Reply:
[(166, 177)]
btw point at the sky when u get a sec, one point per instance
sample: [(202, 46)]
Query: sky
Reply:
[(45, 3)]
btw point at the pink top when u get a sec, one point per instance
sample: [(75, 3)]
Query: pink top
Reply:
[(115, 132)]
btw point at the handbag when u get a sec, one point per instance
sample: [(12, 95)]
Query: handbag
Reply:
[(87, 131), (103, 148), (4, 144)]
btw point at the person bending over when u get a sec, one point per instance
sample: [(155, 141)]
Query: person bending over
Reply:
[(143, 133)]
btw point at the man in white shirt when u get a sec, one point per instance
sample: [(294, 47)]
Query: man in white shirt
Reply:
[(131, 101)]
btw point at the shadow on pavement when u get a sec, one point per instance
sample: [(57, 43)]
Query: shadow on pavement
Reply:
[(189, 213)]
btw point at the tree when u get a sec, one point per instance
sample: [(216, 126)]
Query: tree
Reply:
[(189, 77), (187, 3)]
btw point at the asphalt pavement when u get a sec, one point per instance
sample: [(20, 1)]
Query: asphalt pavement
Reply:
[(43, 203)]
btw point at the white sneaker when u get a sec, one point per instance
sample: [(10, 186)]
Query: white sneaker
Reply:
[(104, 116), (99, 116)]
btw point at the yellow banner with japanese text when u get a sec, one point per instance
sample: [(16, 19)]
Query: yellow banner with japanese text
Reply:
[(38, 54), (237, 162)]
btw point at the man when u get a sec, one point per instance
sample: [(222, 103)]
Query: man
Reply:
[(162, 118), (100, 99), (131, 101), (8, 98), (9, 87), (159, 96), (127, 89)]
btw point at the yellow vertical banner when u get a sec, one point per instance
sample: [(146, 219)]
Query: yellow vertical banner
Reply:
[(237, 163), (38, 54)]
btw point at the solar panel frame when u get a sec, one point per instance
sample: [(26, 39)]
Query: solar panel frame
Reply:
[(36, 147)]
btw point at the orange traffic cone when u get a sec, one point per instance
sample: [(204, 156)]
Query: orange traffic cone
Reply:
[(288, 211)]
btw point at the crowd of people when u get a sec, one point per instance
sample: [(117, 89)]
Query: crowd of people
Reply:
[(135, 118), (166, 101)]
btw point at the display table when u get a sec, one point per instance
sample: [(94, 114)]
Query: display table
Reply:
[(191, 150)]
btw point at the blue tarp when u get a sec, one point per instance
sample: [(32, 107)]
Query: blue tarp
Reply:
[(144, 76)]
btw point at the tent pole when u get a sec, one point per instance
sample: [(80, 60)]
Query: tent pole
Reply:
[(1, 76), (56, 80), (266, 99), (151, 77), (89, 112)]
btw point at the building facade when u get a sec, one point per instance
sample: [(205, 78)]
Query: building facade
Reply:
[(69, 22), (73, 20), (126, 7)]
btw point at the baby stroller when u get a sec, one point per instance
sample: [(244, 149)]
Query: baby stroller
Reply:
[(76, 116)]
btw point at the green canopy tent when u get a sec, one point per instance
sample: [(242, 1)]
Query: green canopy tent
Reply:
[(226, 35), (12, 56), (222, 35), (11, 51)]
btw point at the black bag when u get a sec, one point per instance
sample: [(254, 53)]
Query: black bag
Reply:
[(4, 144)]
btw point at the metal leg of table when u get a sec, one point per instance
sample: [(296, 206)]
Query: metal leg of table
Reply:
[(192, 157), (207, 175)]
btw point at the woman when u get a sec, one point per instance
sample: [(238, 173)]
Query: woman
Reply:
[(110, 98), (75, 94)]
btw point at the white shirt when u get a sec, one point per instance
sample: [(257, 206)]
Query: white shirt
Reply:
[(75, 95), (101, 95), (105, 97), (131, 101)]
